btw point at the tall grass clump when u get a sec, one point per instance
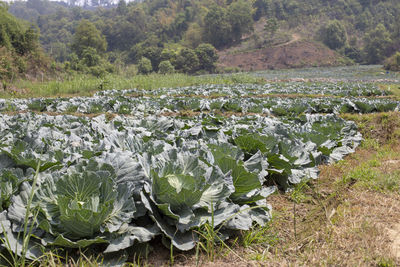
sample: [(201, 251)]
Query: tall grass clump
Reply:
[(85, 85)]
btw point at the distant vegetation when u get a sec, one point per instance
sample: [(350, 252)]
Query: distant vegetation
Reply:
[(393, 63), (20, 51), (99, 37)]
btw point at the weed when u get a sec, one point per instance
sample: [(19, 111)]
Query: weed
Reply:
[(19, 254), (259, 236), (85, 85), (95, 108), (385, 262), (370, 143), (71, 109)]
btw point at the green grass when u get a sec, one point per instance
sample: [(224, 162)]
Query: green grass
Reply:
[(393, 88), (85, 85), (375, 174)]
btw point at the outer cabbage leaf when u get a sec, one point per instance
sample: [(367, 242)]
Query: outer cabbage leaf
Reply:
[(247, 184), (183, 192), (10, 181)]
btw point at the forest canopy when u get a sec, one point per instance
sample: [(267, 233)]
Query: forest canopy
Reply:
[(366, 31)]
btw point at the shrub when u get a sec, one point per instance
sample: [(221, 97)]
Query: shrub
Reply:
[(393, 63), (333, 35), (144, 66), (7, 67), (165, 67)]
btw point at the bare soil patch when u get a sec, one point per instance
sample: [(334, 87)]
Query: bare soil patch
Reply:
[(394, 234), (299, 53)]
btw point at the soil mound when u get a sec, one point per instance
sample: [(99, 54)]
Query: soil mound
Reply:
[(300, 53)]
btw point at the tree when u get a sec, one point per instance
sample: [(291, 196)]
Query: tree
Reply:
[(153, 53), (193, 35), (271, 26), (353, 53), (87, 35), (334, 35), (393, 63), (165, 67), (207, 55), (376, 42), (262, 8), (90, 57), (178, 27), (122, 8), (240, 18), (31, 40), (279, 11), (217, 29), (168, 54), (144, 66), (187, 61)]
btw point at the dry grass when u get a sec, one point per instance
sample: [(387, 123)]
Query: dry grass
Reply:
[(337, 223)]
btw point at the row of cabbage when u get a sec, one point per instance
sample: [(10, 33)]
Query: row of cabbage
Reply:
[(119, 182), (356, 73), (277, 106), (241, 90)]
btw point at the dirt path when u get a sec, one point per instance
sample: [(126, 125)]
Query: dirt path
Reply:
[(295, 37), (394, 234)]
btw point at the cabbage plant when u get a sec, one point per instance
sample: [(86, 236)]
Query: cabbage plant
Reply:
[(84, 205), (184, 192)]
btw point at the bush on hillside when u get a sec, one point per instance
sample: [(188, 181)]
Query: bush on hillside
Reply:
[(144, 66), (393, 63), (165, 67), (333, 35)]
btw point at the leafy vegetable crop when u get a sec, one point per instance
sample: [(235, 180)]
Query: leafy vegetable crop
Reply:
[(128, 180), (116, 181)]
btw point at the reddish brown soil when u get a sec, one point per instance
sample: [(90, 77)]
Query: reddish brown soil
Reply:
[(299, 53)]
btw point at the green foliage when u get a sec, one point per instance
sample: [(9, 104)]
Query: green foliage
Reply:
[(16, 36), (194, 35), (334, 34), (87, 35), (393, 63), (144, 66), (217, 29), (376, 42), (7, 64), (19, 48), (270, 27), (90, 62), (90, 57), (262, 8), (353, 53), (166, 67), (208, 57), (153, 53), (145, 28), (122, 8), (240, 18), (187, 61)]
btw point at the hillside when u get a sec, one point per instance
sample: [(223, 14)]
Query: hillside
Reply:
[(20, 52), (361, 31), (293, 54)]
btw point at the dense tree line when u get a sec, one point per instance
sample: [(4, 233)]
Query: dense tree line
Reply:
[(171, 31)]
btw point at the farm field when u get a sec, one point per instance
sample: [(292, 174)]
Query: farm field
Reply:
[(257, 173)]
